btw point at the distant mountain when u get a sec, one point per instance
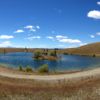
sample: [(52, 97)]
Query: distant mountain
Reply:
[(90, 49)]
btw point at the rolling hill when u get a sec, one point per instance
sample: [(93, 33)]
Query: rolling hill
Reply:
[(90, 49)]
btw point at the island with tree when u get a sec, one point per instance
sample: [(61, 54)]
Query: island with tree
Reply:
[(45, 54)]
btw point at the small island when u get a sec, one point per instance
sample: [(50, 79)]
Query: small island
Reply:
[(45, 54)]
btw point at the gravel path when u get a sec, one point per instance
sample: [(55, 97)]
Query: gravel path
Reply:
[(88, 73)]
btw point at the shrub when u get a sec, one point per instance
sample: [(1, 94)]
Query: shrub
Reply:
[(94, 55), (43, 69), (29, 69), (65, 53), (53, 53), (37, 54), (20, 68)]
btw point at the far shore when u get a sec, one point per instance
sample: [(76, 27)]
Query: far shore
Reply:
[(69, 51)]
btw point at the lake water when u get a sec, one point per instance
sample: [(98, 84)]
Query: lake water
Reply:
[(67, 62)]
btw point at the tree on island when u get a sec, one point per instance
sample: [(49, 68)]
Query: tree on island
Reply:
[(44, 52), (44, 55), (37, 54), (53, 53)]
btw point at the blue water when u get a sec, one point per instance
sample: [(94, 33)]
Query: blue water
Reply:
[(67, 62)]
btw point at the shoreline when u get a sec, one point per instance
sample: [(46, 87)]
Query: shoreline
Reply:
[(17, 71), (11, 73)]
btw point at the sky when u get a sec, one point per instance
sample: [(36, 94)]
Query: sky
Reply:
[(49, 23)]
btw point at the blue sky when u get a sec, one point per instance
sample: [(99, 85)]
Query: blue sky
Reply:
[(49, 23)]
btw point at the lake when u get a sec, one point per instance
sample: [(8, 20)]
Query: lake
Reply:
[(67, 62)]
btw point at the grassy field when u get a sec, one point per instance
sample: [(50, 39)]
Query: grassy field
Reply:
[(16, 89)]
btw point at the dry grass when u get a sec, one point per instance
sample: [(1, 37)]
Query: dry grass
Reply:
[(5, 50), (88, 50), (20, 89)]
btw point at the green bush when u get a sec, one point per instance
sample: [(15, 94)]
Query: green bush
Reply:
[(28, 69), (20, 68), (43, 69), (37, 54)]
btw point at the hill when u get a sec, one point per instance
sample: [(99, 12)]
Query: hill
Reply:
[(5, 50), (90, 49)]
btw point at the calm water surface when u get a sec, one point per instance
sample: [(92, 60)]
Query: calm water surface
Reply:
[(67, 62)]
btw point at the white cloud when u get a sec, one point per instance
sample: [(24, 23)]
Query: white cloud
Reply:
[(38, 27), (92, 36), (50, 37), (98, 2), (57, 37), (60, 37), (67, 40), (32, 28), (5, 44), (29, 27), (19, 31), (6, 36), (95, 14), (34, 37), (98, 33)]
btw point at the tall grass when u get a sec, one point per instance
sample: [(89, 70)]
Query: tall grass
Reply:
[(20, 68), (83, 89)]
